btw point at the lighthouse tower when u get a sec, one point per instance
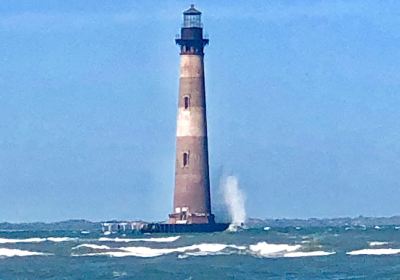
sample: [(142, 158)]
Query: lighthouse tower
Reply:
[(192, 184)]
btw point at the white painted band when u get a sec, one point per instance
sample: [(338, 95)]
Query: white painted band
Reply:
[(191, 122)]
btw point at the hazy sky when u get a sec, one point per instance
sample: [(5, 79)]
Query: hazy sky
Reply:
[(303, 106)]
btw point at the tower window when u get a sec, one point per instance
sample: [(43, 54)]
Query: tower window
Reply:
[(185, 159), (186, 102)]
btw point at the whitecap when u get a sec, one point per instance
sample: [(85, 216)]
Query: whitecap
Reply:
[(36, 240), (119, 274), (27, 240), (267, 228), (307, 254), (272, 250), (382, 251), (233, 228), (6, 252), (151, 252), (61, 239), (152, 239), (377, 243), (204, 249), (147, 252), (92, 246)]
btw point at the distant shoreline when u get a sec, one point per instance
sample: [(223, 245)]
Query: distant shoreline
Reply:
[(251, 222)]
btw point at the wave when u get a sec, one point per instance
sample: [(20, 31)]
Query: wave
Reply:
[(377, 243), (261, 249), (27, 240), (152, 239), (269, 250), (147, 252), (92, 246), (61, 239), (36, 240), (308, 254), (265, 249), (6, 252), (382, 251)]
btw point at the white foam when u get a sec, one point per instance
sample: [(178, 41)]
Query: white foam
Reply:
[(150, 252), (92, 246), (272, 250), (6, 252), (235, 228), (27, 240), (119, 274), (377, 243), (213, 249), (147, 252), (388, 251), (308, 254), (204, 249), (36, 240), (267, 228), (61, 239), (152, 239)]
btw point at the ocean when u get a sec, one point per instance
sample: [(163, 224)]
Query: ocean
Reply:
[(263, 253)]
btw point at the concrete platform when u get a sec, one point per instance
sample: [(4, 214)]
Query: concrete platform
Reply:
[(179, 228)]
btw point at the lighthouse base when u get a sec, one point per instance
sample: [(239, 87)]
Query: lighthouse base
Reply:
[(180, 228)]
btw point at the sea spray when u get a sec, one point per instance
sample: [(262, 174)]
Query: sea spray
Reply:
[(234, 199)]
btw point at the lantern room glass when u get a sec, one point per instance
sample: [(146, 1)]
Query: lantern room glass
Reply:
[(192, 20)]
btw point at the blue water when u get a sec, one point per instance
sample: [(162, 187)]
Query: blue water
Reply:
[(281, 253)]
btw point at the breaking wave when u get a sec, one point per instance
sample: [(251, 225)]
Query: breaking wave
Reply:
[(382, 251), (92, 246), (268, 250), (6, 252), (265, 249), (261, 249), (61, 239), (152, 239), (147, 252), (308, 254), (36, 240), (377, 243), (27, 240)]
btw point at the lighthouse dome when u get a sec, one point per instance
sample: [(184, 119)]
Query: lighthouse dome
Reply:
[(192, 17)]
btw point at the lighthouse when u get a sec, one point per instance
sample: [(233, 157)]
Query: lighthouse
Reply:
[(191, 203)]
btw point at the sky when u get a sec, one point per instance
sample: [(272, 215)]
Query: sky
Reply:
[(303, 104)]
